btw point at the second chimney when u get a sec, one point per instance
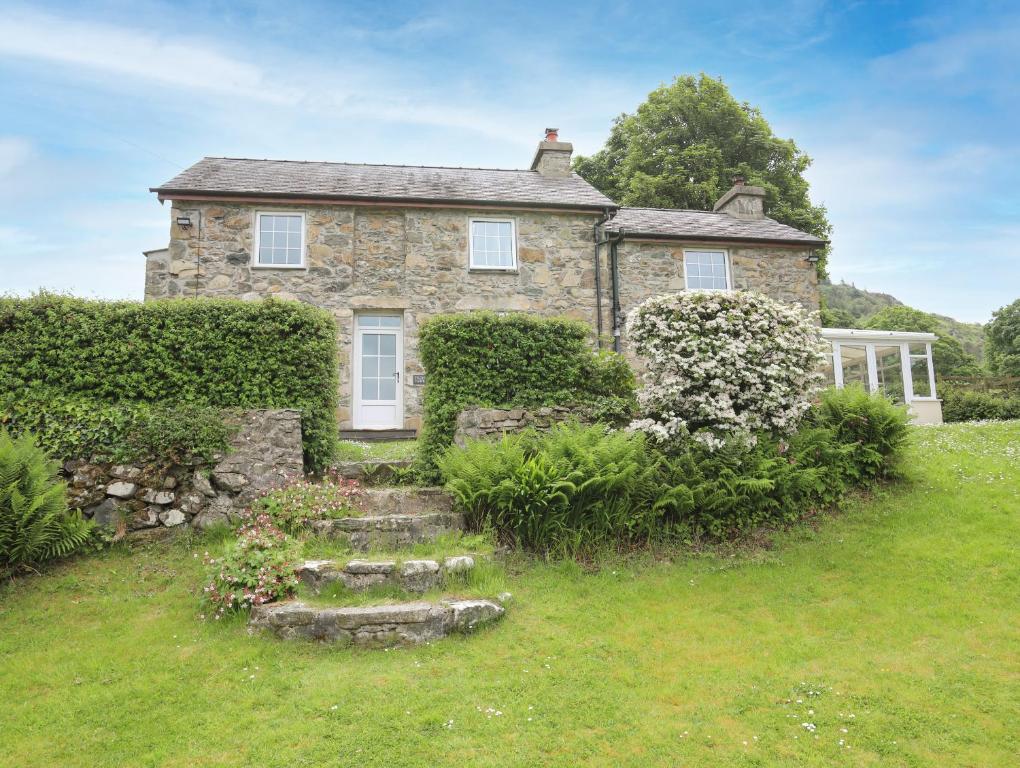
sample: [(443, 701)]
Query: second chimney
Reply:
[(552, 158), (742, 201)]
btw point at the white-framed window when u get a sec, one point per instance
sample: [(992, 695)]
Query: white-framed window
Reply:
[(707, 270), (493, 244), (279, 239)]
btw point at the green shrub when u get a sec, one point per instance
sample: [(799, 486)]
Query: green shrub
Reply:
[(258, 567), (572, 487), (35, 524), (578, 487), (960, 405), (79, 427), (871, 423), (221, 353), (300, 500), (490, 360)]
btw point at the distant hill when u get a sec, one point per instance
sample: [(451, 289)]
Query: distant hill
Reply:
[(861, 304)]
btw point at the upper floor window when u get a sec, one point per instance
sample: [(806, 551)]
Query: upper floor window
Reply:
[(280, 240), (706, 270), (493, 244)]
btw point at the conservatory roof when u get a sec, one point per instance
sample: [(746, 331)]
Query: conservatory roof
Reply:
[(841, 334)]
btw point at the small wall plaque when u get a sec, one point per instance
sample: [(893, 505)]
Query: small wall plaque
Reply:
[(418, 379)]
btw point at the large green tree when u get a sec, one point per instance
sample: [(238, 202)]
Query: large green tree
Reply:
[(684, 144), (1003, 334), (948, 355)]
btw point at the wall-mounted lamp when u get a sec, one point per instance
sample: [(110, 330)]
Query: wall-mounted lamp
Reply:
[(184, 222), (813, 257)]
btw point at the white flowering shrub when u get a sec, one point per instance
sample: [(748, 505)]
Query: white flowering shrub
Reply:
[(723, 365)]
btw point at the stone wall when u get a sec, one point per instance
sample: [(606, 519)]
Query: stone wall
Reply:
[(476, 423), (413, 261), (157, 495)]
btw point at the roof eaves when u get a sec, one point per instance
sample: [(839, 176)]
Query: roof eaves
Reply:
[(814, 243), (170, 192)]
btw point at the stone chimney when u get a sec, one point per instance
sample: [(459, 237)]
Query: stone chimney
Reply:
[(552, 158), (742, 202)]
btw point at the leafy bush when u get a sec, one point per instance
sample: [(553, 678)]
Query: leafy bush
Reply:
[(220, 353), (977, 406), (577, 487), (872, 424), (258, 567), (491, 360), (300, 500), (72, 426), (723, 364), (569, 487), (35, 524)]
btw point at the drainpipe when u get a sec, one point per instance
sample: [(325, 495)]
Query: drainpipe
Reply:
[(598, 275), (615, 267)]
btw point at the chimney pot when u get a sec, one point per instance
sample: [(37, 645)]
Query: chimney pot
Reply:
[(552, 158), (552, 134), (738, 180)]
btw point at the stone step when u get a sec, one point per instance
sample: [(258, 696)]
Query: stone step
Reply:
[(376, 625), (388, 531), (368, 472), (357, 575), (404, 501), (370, 435)]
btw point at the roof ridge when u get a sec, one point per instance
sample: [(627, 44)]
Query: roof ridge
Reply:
[(372, 165), (679, 210)]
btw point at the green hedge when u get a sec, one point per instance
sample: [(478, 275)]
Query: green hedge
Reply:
[(489, 360), (221, 353), (127, 431), (959, 405)]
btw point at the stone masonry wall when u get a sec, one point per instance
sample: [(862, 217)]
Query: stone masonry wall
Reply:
[(477, 423), (414, 262), (148, 498)]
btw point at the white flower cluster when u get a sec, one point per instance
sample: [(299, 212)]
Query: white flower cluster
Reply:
[(724, 365)]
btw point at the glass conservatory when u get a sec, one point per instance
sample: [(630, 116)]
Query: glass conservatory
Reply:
[(895, 363)]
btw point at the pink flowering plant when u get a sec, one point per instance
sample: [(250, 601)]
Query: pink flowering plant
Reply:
[(298, 500), (258, 567), (723, 365)]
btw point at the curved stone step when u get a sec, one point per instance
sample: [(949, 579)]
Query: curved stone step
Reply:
[(376, 625), (388, 531), (369, 472), (410, 575)]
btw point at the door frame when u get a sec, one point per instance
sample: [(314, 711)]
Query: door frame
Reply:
[(356, 402)]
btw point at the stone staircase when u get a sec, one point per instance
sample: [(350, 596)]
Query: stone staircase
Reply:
[(398, 517)]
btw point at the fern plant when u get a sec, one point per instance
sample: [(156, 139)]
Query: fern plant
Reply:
[(35, 523)]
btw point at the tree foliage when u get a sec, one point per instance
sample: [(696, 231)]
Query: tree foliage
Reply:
[(682, 147), (948, 354), (1003, 334)]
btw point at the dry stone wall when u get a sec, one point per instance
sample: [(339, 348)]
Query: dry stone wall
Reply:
[(478, 423), (148, 498)]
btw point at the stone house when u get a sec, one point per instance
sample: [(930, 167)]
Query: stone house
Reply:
[(384, 247)]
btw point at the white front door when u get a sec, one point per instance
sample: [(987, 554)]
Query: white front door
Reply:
[(378, 368)]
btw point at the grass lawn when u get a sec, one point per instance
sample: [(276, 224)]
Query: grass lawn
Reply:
[(376, 450), (892, 631)]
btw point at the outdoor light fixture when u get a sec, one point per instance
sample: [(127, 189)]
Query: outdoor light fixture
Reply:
[(184, 221), (813, 258)]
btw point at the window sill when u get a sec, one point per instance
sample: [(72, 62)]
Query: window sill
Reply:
[(278, 266), (495, 270)]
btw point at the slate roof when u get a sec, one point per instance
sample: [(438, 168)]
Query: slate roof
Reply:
[(669, 223), (239, 177)]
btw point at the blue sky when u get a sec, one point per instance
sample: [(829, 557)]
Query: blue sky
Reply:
[(910, 111)]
